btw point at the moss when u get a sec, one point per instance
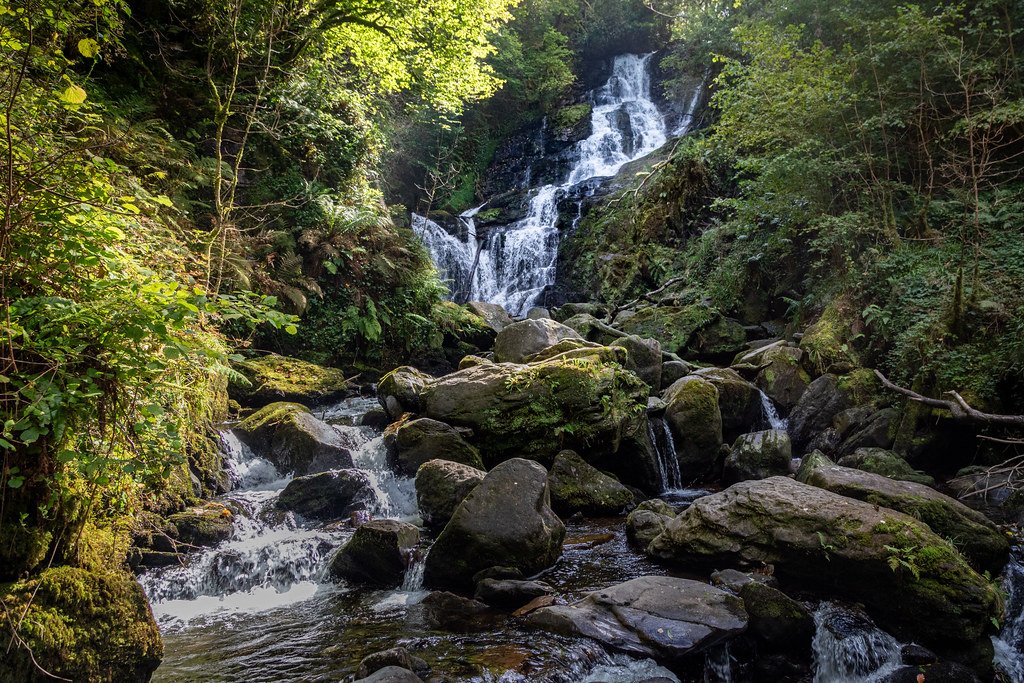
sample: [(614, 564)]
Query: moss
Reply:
[(673, 326), (827, 341), (272, 414), (22, 548), (572, 116), (275, 378), (862, 385), (83, 625)]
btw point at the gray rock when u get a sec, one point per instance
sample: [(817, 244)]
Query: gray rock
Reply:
[(295, 441), (566, 311), (493, 314), (653, 616), (886, 463), (673, 371), (578, 487), (784, 380), (506, 521), (377, 554), (441, 486), (647, 521), (391, 674), (396, 656), (734, 581), (738, 400), (399, 391), (538, 313), (451, 612), (414, 442), (758, 455), (510, 593), (327, 496), (813, 413), (528, 337), (696, 423), (644, 359), (777, 619), (878, 431)]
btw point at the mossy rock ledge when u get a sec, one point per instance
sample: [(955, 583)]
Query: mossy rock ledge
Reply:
[(276, 378), (290, 437), (839, 546)]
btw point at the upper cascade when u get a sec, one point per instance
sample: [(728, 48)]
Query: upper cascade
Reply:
[(512, 265)]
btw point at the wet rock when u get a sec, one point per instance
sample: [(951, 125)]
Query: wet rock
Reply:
[(151, 559), (394, 657), (738, 400), (758, 456), (734, 581), (885, 463), (528, 337), (972, 533), (534, 605), (295, 441), (942, 672), (413, 442), (399, 391), (377, 554), (496, 317), (202, 526), (441, 486), (452, 612), (777, 619), (653, 616), (274, 378), (839, 546), (647, 521), (917, 655), (696, 422), (506, 521), (327, 496), (577, 487), (643, 358), (784, 379), (510, 593), (391, 674), (814, 411), (376, 418)]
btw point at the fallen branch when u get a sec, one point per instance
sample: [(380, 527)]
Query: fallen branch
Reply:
[(958, 407)]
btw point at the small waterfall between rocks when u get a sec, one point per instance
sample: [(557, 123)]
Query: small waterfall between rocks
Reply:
[(513, 264), (1009, 645), (770, 414), (668, 460), (849, 648)]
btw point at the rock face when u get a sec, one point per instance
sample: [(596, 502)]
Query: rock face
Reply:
[(842, 547), (644, 359), (290, 437), (696, 422), (738, 400), (577, 487), (813, 413), (274, 378), (327, 496), (886, 463), (441, 486), (784, 380), (399, 391), (649, 519), (507, 521), (525, 338), (654, 616), (414, 442), (972, 533), (758, 455), (377, 554)]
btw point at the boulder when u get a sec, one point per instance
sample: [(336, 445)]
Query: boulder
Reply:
[(777, 619), (399, 391), (672, 326), (885, 463), (273, 378), (784, 379), (673, 371), (585, 401), (441, 486), (295, 441), (510, 593), (839, 546), (577, 487), (717, 342), (450, 612), (391, 674), (505, 521), (538, 313), (647, 521), (528, 337), (970, 531), (643, 358), (734, 581), (496, 317), (738, 400), (413, 442), (758, 455), (566, 311), (201, 526), (378, 553), (651, 616), (327, 496), (813, 413), (877, 431), (563, 349), (695, 419), (396, 656), (592, 329)]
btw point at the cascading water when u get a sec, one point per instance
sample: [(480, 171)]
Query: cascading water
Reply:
[(771, 415), (668, 460), (515, 263), (1009, 646), (849, 648)]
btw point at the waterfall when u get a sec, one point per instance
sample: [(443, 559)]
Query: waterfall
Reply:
[(1009, 645), (688, 119), (849, 648), (718, 665), (771, 414), (515, 263), (665, 447)]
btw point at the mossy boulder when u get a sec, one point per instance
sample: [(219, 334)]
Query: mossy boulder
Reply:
[(591, 329), (378, 553), (581, 399), (739, 401), (839, 546), (643, 358), (566, 311), (877, 430), (295, 441), (274, 378), (784, 378), (202, 526), (399, 391), (441, 486), (22, 549), (89, 626), (673, 326), (758, 455), (527, 337), (506, 521), (970, 531), (647, 521), (826, 343), (328, 495), (695, 419), (717, 342), (572, 123), (414, 442), (578, 487), (824, 399), (886, 463), (570, 347), (777, 619), (494, 315)]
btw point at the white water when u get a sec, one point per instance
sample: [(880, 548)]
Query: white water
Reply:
[(690, 117), (771, 414), (848, 648), (718, 665), (668, 460), (515, 263), (1009, 645)]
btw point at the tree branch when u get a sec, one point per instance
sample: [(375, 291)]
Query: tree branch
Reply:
[(958, 407)]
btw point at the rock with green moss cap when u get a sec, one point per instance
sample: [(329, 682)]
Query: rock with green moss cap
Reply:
[(673, 326), (527, 337), (717, 342), (507, 521), (784, 379), (295, 441), (399, 391), (758, 455), (647, 521), (696, 423), (495, 315), (592, 329), (578, 487), (414, 442), (738, 400), (886, 463), (202, 526), (378, 553), (327, 496), (82, 625), (275, 378), (969, 530), (911, 580), (777, 619), (441, 486), (643, 359)]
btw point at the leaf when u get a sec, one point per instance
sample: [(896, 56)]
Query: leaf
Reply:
[(291, 329), (88, 48), (73, 95), (15, 482)]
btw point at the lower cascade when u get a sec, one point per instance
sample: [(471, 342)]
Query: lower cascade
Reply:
[(848, 648)]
